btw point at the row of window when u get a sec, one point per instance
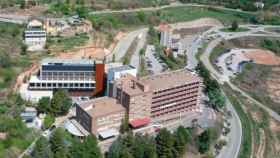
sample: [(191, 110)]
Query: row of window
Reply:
[(177, 100), (176, 95), (61, 85), (67, 73), (175, 105), (185, 108), (177, 87), (173, 92)]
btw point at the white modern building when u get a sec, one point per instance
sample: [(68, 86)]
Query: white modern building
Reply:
[(35, 36), (117, 72), (80, 76)]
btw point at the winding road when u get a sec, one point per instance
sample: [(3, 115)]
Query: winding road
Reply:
[(225, 79), (231, 151)]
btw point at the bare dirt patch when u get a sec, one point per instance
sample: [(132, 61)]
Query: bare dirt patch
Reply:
[(264, 57), (197, 23)]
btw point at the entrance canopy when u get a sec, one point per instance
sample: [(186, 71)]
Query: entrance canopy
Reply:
[(108, 133), (136, 123)]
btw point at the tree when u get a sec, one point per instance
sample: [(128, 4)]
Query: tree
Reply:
[(23, 49), (234, 25), (86, 149), (115, 149), (114, 58), (142, 52), (144, 147), (76, 149), (91, 148), (42, 149), (136, 146), (205, 139), (181, 139), (141, 16), (124, 124), (82, 12), (44, 105), (5, 60), (22, 4), (217, 100), (48, 121), (60, 103), (164, 144), (58, 146), (125, 153)]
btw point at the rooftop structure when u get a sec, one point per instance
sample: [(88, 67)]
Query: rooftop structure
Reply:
[(131, 85), (54, 61), (117, 72), (101, 106), (170, 79)]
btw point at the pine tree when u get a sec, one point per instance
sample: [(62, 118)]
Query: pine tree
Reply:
[(91, 148), (60, 103), (57, 143), (164, 144), (42, 149)]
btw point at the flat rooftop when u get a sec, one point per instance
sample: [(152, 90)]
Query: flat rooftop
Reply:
[(53, 61), (133, 86), (170, 79), (102, 106), (122, 68)]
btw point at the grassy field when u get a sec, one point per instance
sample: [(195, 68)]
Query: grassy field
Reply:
[(171, 15), (67, 43)]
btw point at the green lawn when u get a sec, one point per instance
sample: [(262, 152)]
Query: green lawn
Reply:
[(171, 15), (67, 43), (191, 13), (240, 29)]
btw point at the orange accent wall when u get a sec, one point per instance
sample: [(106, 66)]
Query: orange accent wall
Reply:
[(99, 78)]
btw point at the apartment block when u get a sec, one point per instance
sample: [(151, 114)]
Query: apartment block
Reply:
[(161, 98)]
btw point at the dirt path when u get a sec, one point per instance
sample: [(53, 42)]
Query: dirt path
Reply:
[(261, 149), (24, 75)]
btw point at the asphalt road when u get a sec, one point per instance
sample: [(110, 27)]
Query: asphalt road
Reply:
[(232, 149), (172, 5), (135, 59), (123, 45)]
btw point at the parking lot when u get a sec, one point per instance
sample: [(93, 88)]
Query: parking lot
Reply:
[(154, 65)]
